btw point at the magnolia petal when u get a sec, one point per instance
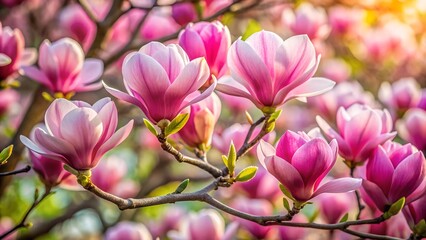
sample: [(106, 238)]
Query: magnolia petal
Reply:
[(407, 177), (264, 149), (56, 113), (4, 60), (190, 79), (376, 194), (339, 185), (313, 87), (127, 98), (118, 137), (91, 71), (286, 174), (37, 75), (380, 170)]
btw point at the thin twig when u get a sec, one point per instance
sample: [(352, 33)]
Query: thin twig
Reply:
[(23, 223), (358, 197), (22, 170)]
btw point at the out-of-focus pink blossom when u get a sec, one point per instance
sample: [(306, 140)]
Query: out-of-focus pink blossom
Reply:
[(158, 70), (199, 128), (345, 20), (262, 186), (308, 20), (129, 231), (336, 70), (291, 233), (344, 95), (332, 207), (412, 128), (10, 3), (422, 102), (12, 53), (300, 163), (7, 98), (76, 24), (209, 40), (184, 13), (213, 227), (158, 17), (109, 175), (77, 133), (62, 68), (236, 134), (5, 225), (401, 95), (258, 207), (269, 71), (170, 221), (236, 104), (393, 173), (360, 129)]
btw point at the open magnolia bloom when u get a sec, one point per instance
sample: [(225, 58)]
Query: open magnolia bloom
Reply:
[(162, 81), (269, 71), (77, 133), (63, 69), (300, 163)]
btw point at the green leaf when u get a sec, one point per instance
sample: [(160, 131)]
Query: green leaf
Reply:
[(5, 154), (270, 127), (177, 124), (232, 159), (182, 186), (420, 228), (150, 126), (286, 192), (395, 208), (246, 174), (344, 218), (314, 216), (286, 204), (225, 161), (274, 116), (252, 27)]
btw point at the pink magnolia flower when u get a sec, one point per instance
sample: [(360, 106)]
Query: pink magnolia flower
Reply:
[(412, 127), (10, 3), (213, 227), (158, 70), (269, 71), (257, 207), (360, 129), (344, 95), (308, 20), (336, 70), (401, 95), (301, 163), (109, 176), (344, 20), (12, 53), (184, 13), (393, 173), (203, 116), (78, 134), (129, 231), (158, 17), (63, 68), (209, 40), (76, 24), (415, 212)]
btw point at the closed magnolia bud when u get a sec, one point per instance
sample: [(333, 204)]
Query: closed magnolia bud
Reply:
[(128, 231), (401, 95), (199, 128), (184, 13)]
